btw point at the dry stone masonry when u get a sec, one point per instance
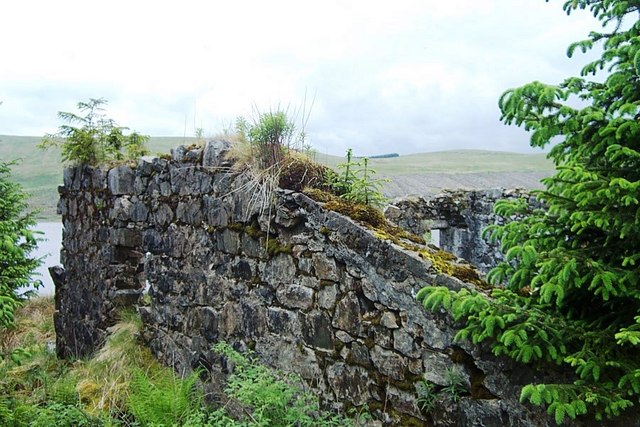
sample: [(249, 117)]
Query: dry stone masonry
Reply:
[(308, 290), (457, 218)]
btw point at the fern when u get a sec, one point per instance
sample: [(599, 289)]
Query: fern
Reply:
[(163, 399)]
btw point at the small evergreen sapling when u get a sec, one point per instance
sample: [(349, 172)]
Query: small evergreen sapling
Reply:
[(93, 138), (17, 242), (355, 182)]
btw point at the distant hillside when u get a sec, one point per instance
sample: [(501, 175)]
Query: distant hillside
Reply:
[(40, 172)]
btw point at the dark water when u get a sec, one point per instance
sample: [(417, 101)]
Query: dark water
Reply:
[(50, 250)]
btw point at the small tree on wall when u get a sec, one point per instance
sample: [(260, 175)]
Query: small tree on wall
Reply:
[(93, 138), (572, 271)]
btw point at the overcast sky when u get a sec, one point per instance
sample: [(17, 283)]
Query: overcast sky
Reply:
[(384, 76)]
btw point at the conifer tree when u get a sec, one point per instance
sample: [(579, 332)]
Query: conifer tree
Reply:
[(572, 270), (17, 242)]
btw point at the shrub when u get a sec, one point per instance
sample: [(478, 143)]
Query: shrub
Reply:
[(17, 242), (271, 398), (96, 139)]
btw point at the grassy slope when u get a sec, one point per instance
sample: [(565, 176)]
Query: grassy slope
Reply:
[(454, 161), (40, 172)]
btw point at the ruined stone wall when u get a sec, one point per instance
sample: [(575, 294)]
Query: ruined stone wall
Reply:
[(307, 289), (459, 216)]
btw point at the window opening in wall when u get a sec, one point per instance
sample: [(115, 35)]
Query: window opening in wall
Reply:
[(435, 237)]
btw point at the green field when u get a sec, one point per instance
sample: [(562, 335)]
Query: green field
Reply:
[(454, 161), (40, 172)]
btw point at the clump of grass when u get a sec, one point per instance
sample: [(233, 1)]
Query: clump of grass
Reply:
[(105, 379), (33, 326)]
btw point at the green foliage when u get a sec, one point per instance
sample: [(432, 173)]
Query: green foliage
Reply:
[(273, 399), (455, 386), (427, 396), (161, 398), (571, 272), (96, 139), (57, 414), (355, 182), (17, 242), (270, 137)]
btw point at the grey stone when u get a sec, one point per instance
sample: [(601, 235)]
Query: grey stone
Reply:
[(214, 153), (178, 153), (344, 337), (305, 265), (389, 320), (121, 179), (189, 212), (327, 296), (280, 269), (216, 211), (295, 296), (388, 362), (145, 165), (350, 382), (347, 316), (139, 212), (316, 330), (163, 216), (125, 237), (122, 209), (281, 321), (325, 268), (405, 343)]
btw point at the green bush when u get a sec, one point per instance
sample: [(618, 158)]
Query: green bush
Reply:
[(17, 242), (272, 399), (163, 399), (270, 137), (571, 294), (95, 139)]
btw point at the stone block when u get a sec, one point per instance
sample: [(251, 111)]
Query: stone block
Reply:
[(350, 382), (125, 237), (347, 315), (145, 165), (280, 269), (214, 153), (325, 267), (295, 296), (283, 322), (121, 180), (316, 330), (327, 296), (388, 362), (189, 211)]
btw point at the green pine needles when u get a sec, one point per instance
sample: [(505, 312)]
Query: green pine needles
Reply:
[(571, 276), (95, 138), (355, 181), (17, 243)]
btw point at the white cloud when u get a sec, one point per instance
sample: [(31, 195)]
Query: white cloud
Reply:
[(405, 76)]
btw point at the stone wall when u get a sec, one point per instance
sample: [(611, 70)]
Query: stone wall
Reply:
[(459, 218), (309, 290)]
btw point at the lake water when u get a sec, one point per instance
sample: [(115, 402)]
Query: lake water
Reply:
[(50, 250)]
